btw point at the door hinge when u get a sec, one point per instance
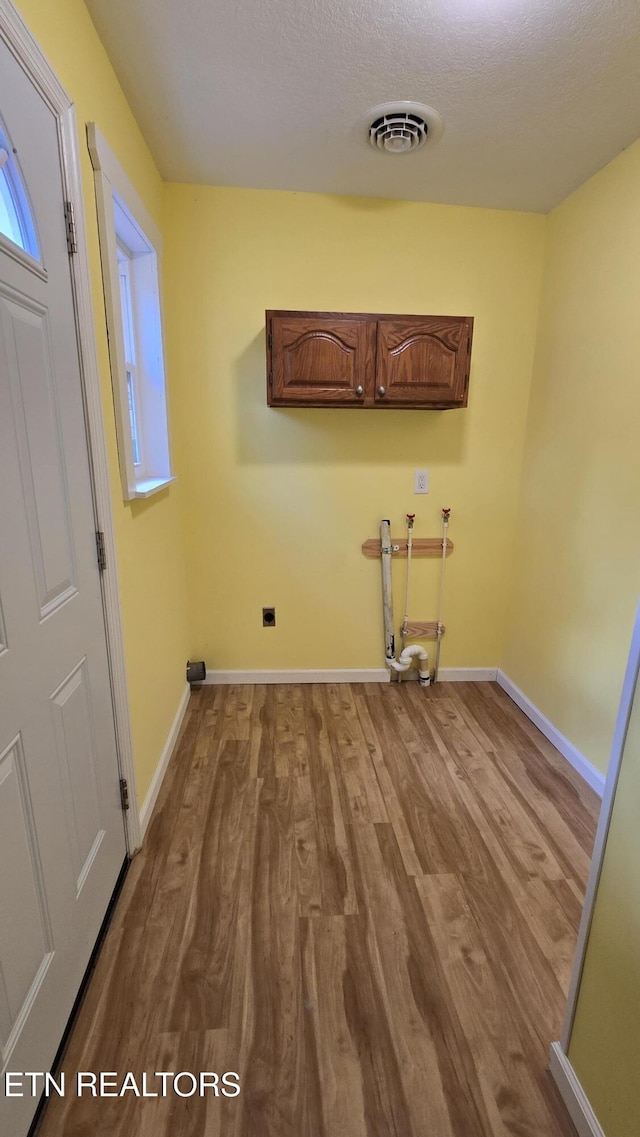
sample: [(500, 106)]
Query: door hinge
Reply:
[(124, 793), (100, 550), (270, 340), (70, 222)]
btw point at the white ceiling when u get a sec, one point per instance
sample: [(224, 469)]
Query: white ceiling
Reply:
[(536, 95)]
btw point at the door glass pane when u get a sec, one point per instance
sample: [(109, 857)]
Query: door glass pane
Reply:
[(16, 222)]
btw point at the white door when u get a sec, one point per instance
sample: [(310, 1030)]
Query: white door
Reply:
[(62, 840)]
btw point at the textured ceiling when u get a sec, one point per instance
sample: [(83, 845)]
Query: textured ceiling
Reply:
[(536, 95)]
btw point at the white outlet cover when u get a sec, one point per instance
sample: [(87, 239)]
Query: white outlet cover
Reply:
[(421, 481)]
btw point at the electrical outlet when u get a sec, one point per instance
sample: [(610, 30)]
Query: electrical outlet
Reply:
[(268, 617), (421, 481)]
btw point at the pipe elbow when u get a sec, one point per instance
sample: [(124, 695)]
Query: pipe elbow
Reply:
[(414, 650), (417, 652)]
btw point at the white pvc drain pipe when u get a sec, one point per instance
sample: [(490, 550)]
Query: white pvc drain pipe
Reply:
[(414, 651), (446, 513)]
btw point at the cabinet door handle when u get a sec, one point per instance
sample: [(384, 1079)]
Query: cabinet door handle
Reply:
[(359, 392), (382, 391)]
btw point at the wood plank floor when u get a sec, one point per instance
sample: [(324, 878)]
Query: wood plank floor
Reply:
[(362, 898)]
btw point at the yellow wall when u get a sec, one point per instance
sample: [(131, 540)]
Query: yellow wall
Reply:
[(148, 534), (605, 1042), (279, 501), (575, 577)]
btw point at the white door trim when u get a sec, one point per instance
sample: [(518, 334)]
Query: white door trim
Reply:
[(24, 47), (611, 784)]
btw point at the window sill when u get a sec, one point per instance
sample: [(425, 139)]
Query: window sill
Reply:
[(149, 486)]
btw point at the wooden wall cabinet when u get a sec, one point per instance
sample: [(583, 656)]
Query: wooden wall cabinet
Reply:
[(348, 359)]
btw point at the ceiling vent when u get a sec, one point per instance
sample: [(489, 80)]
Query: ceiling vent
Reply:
[(399, 128)]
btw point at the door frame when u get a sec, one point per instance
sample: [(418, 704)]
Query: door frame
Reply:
[(20, 41), (627, 696)]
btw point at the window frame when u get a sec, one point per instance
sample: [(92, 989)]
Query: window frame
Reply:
[(131, 371), (126, 230)]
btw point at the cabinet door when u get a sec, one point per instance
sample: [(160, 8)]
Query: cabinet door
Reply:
[(423, 361), (320, 359)]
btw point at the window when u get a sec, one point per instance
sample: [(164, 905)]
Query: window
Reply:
[(16, 222), (129, 249), (133, 394)]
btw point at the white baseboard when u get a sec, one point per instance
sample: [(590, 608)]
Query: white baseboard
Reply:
[(458, 674), (467, 674), (347, 675), (325, 675), (583, 766), (154, 789), (572, 1093)]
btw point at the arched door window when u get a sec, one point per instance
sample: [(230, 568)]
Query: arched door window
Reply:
[(16, 221)]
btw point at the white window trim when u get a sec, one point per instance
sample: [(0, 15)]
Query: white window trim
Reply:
[(110, 178)]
